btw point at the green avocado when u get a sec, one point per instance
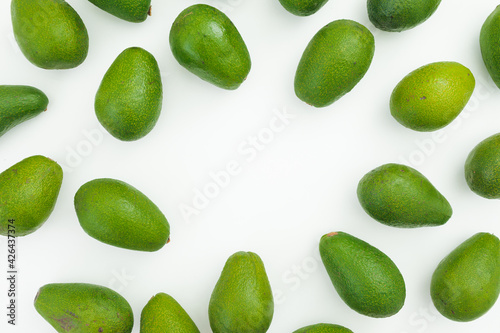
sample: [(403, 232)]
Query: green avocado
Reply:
[(242, 300), (333, 63), (323, 328), (482, 168), (365, 278), (28, 194), (84, 308), (432, 96), (164, 314), (18, 104), (129, 10), (129, 99), (206, 42), (303, 7), (399, 15), (488, 42), (50, 33), (400, 196), (118, 214), (466, 283)]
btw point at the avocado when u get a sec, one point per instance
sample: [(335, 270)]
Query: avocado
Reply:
[(365, 278), (84, 308), (242, 300), (488, 42), (129, 10), (400, 15), (466, 283), (118, 214), (482, 172), (400, 196), (50, 33), (129, 99), (206, 42), (323, 328), (19, 103), (432, 96), (334, 61), (303, 7), (163, 314), (28, 194)]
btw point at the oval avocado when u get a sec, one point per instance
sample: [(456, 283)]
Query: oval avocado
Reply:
[(118, 214), (323, 328), (334, 61), (466, 283), (488, 42), (303, 7), (129, 10), (206, 42), (366, 279)]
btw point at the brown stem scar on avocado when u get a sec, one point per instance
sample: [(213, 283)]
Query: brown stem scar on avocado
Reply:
[(332, 234)]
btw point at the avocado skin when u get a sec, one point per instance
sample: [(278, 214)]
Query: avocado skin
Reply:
[(28, 194), (205, 42), (242, 300), (303, 7), (83, 308), (135, 11), (399, 196), (118, 214), (323, 328), (50, 33), (19, 103), (333, 62), (365, 278), (400, 15), (432, 96), (163, 314), (488, 42), (129, 100), (466, 283), (482, 168)]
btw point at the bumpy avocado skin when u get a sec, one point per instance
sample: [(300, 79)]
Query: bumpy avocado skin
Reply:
[(83, 308), (118, 214), (163, 314), (28, 193), (333, 62), (466, 283), (207, 43), (488, 42), (50, 33), (400, 196), (135, 11), (242, 300), (366, 279), (19, 103), (303, 7)]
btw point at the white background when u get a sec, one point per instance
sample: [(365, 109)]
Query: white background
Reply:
[(299, 185)]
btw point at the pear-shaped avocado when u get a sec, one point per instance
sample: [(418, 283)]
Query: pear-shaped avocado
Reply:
[(488, 42), (129, 10), (466, 283), (333, 63), (19, 103), (84, 308), (50, 33), (323, 328), (28, 194), (400, 196), (366, 279), (242, 300), (399, 15), (432, 96), (129, 99), (303, 7), (118, 214), (482, 168), (206, 42), (163, 314)]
